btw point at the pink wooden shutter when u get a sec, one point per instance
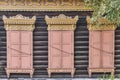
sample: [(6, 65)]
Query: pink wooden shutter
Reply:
[(108, 49), (67, 49), (26, 49), (13, 49), (55, 49), (94, 49)]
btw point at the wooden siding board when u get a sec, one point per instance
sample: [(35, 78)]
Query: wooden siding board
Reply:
[(40, 64)]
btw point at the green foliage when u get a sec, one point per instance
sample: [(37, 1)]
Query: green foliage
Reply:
[(109, 9), (107, 77)]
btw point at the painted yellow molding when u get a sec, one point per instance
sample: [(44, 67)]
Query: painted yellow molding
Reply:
[(61, 22), (19, 22), (19, 71), (62, 70), (104, 24), (43, 5), (67, 70)]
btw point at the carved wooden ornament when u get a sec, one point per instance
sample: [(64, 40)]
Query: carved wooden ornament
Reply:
[(19, 44), (101, 46), (61, 22), (43, 5), (61, 44)]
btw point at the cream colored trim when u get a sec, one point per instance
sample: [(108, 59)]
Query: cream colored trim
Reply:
[(67, 70), (61, 22), (102, 27), (61, 70), (101, 70), (104, 24), (8, 71), (61, 19), (19, 22), (43, 5)]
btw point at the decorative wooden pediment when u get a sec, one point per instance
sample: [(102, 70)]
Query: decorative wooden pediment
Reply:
[(104, 24), (19, 22), (60, 48), (43, 5), (61, 22), (101, 46)]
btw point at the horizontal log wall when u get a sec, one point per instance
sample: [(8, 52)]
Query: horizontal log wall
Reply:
[(41, 46)]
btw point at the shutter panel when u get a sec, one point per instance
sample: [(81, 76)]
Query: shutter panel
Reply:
[(108, 49), (94, 46), (60, 33), (55, 49), (13, 49), (19, 41), (67, 49), (26, 50)]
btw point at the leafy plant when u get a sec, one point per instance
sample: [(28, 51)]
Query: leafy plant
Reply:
[(107, 77), (109, 9)]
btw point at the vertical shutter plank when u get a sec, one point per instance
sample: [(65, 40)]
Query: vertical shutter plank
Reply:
[(94, 49), (67, 49), (13, 48), (26, 50), (108, 49), (55, 49)]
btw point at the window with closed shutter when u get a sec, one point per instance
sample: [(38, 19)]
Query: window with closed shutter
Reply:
[(61, 44), (61, 49), (19, 44), (101, 47)]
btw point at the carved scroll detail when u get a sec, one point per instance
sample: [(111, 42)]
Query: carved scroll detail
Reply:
[(61, 22), (104, 24), (19, 22)]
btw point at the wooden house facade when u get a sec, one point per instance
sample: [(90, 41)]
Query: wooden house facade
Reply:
[(55, 38)]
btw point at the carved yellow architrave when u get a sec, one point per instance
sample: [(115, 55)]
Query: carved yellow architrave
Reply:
[(43, 5), (19, 22), (101, 70), (61, 22), (104, 24)]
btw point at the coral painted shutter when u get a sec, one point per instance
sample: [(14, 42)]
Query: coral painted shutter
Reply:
[(108, 49), (19, 44), (94, 52), (67, 49), (55, 49), (13, 49), (26, 49)]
